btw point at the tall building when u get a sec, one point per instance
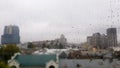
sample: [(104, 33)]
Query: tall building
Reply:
[(104, 41), (11, 35), (94, 40), (90, 40), (98, 40), (112, 37)]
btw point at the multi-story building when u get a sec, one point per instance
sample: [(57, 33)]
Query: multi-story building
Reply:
[(90, 40), (104, 41), (98, 40), (57, 43), (94, 40), (11, 35), (63, 40), (112, 37)]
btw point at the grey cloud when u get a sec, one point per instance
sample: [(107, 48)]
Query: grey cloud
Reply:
[(47, 19)]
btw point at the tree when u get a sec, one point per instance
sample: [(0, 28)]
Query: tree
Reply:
[(3, 65), (44, 45), (61, 46), (30, 45), (6, 52)]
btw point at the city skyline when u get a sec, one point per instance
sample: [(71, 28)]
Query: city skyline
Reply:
[(46, 20)]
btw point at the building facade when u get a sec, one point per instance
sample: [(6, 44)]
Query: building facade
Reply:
[(94, 40), (90, 40), (103, 41), (112, 37), (11, 35), (98, 40)]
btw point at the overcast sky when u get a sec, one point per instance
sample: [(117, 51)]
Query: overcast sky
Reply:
[(48, 19)]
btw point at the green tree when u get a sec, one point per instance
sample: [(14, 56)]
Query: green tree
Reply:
[(30, 45), (3, 65), (6, 52), (43, 45), (61, 46)]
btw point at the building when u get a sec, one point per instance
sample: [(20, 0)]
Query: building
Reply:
[(33, 61), (23, 45), (88, 63), (63, 55), (104, 41), (112, 37), (90, 40), (94, 40), (98, 40), (11, 35), (58, 43)]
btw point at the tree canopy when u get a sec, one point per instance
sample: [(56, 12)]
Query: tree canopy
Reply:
[(3, 65), (7, 51), (30, 45)]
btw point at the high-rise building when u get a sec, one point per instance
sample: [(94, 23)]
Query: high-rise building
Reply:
[(11, 35), (90, 40), (112, 37), (94, 40), (104, 41), (98, 40)]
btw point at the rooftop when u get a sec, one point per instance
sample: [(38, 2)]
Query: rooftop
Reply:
[(34, 60)]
